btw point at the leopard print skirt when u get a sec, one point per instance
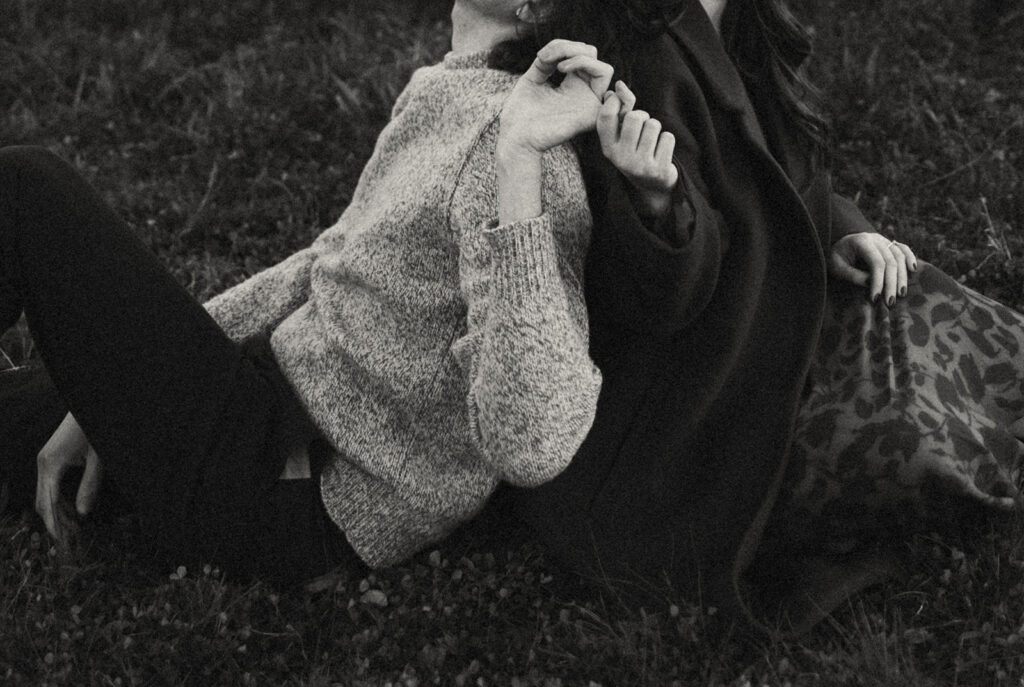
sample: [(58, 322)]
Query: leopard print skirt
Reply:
[(908, 411)]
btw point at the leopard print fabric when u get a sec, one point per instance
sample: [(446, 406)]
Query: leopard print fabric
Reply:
[(908, 410)]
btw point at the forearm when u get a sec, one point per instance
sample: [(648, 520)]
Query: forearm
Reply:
[(519, 176), (534, 389), (846, 218)]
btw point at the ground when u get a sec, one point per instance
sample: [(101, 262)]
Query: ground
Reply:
[(229, 134)]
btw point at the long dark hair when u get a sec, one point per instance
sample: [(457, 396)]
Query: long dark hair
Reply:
[(613, 26), (770, 47), (766, 42)]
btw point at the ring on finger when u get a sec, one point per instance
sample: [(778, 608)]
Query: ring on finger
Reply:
[(892, 244)]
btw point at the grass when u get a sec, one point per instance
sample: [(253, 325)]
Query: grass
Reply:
[(229, 134)]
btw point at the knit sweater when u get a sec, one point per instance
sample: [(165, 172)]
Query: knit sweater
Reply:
[(437, 351)]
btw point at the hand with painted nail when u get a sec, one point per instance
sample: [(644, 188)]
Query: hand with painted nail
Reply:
[(634, 142), (873, 261)]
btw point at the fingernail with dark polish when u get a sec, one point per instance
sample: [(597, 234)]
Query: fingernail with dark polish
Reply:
[(891, 302), (903, 292), (874, 299)]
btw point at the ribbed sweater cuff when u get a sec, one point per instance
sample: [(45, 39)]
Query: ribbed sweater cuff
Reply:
[(523, 258)]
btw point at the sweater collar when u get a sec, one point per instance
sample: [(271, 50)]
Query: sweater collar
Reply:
[(470, 60)]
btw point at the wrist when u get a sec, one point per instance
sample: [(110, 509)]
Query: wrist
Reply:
[(514, 154), (519, 174), (649, 203), (654, 205)]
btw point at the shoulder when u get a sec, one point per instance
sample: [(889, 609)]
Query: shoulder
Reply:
[(457, 93), (419, 77)]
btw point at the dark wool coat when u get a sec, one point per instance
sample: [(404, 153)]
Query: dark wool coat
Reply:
[(704, 331)]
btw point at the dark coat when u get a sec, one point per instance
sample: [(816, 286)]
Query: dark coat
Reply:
[(704, 332)]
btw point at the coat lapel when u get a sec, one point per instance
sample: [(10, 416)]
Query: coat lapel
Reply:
[(693, 31), (696, 36)]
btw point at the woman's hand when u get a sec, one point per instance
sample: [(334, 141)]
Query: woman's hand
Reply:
[(634, 142), (537, 115), (67, 447), (871, 260)]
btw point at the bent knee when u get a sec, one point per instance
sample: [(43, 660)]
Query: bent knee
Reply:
[(33, 179), (27, 156), (28, 165)]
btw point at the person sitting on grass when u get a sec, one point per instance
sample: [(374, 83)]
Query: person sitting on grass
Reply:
[(779, 378), (355, 402)]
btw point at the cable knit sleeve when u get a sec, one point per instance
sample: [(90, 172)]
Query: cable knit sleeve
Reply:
[(532, 388), (263, 301)]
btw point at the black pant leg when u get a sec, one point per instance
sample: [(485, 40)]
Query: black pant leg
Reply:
[(180, 419), (30, 410)]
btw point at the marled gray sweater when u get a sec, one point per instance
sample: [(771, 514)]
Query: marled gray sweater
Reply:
[(438, 352)]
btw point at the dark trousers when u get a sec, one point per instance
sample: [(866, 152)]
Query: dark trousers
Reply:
[(188, 424)]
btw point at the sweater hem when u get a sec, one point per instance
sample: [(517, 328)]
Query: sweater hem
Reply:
[(382, 527)]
